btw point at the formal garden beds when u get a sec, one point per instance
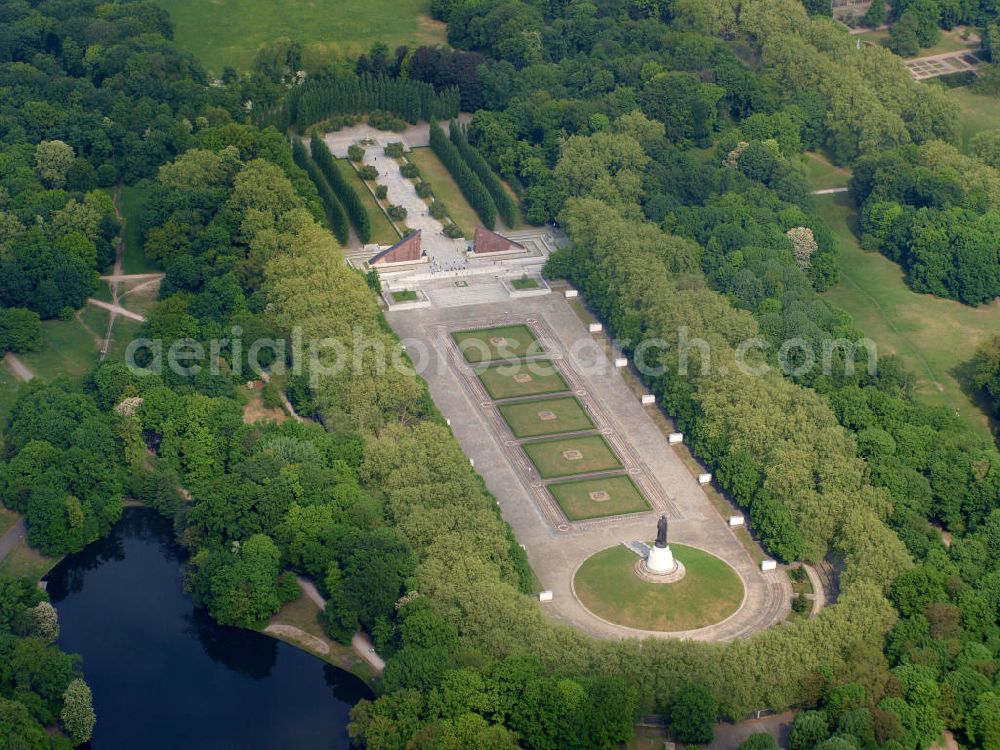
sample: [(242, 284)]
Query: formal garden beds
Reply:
[(709, 592), (584, 499), (565, 457), (496, 344), (550, 416), (535, 378)]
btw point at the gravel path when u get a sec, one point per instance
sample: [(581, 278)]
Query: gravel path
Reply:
[(20, 370)]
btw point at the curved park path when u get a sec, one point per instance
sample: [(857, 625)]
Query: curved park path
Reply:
[(555, 551)]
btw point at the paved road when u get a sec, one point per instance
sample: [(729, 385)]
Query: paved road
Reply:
[(556, 554), (14, 534), (20, 370)]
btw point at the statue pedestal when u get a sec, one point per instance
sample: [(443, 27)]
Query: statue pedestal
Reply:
[(660, 566)]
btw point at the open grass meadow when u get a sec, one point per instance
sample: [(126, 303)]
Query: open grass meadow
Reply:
[(229, 32), (69, 349), (25, 562), (934, 337), (533, 378), (383, 232), (564, 457), (445, 190), (549, 416), (132, 202), (821, 174), (597, 498), (709, 592), (499, 343), (979, 113)]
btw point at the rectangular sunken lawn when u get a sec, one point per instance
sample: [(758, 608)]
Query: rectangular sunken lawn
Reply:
[(533, 378), (549, 416), (595, 498), (551, 459), (502, 342)]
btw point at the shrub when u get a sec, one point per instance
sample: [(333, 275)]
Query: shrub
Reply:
[(397, 213), (424, 189), (452, 230), (437, 210), (386, 121), (368, 172), (409, 170), (381, 191), (355, 152), (801, 605), (393, 150), (759, 741)]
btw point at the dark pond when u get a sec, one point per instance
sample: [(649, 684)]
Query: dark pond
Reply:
[(165, 675)]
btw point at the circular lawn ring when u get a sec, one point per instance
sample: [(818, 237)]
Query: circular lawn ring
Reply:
[(711, 591)]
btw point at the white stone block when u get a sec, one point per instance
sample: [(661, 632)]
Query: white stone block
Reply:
[(621, 362), (471, 462), (595, 328), (768, 564), (675, 437), (736, 520), (571, 293), (545, 596), (448, 422), (704, 478), (647, 398)]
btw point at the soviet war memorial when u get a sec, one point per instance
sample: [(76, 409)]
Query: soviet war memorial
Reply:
[(499, 374)]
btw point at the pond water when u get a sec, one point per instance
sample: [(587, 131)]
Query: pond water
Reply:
[(165, 675)]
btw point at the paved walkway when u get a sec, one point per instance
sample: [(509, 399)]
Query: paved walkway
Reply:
[(362, 645), (414, 136), (830, 191), (20, 370), (555, 553), (14, 535), (440, 249)]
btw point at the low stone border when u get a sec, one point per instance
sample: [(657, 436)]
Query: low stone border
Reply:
[(421, 301), (508, 284)]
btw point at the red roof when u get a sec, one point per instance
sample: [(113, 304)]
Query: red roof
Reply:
[(407, 250), (486, 241)]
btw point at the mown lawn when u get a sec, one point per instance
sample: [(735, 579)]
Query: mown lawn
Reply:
[(933, 337), (132, 201), (821, 174), (979, 113), (446, 190), (549, 416), (229, 32), (69, 349), (709, 592), (382, 230), (557, 458), (25, 562), (531, 379), (582, 499), (502, 342)]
